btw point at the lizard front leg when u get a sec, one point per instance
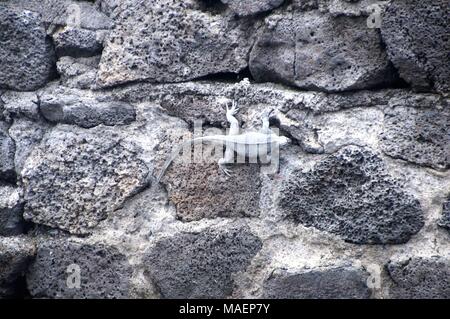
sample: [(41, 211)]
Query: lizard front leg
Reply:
[(265, 121), (234, 130)]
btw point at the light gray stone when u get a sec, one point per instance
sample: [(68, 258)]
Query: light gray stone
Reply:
[(251, 7), (76, 177), (82, 14), (162, 41), (316, 51), (78, 72)]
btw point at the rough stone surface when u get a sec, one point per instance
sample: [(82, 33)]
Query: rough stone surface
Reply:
[(173, 41), (250, 7), (311, 50), (349, 193), (78, 72), (77, 42), (7, 149), (200, 190), (11, 208), (104, 271), (416, 37), (420, 278), (191, 265), (445, 219), (22, 31), (328, 283), (72, 107), (15, 254), (27, 134), (417, 129), (82, 14), (20, 104), (76, 177), (365, 180)]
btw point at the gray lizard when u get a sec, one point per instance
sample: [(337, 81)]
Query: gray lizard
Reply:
[(250, 144)]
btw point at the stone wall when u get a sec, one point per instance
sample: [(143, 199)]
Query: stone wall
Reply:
[(94, 96)]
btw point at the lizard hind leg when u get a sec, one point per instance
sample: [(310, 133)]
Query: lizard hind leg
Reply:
[(234, 124)]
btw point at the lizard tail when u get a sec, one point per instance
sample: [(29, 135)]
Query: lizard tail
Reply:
[(175, 154)]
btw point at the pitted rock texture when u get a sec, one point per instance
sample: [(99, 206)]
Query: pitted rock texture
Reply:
[(20, 104), (71, 107), (104, 271), (200, 190), (316, 51), (173, 41), (11, 209), (420, 278), (417, 130), (78, 42), (416, 37), (328, 283), (7, 149), (82, 14), (189, 265), (350, 194), (445, 219), (22, 31), (76, 177), (250, 7), (78, 72), (15, 254), (27, 134)]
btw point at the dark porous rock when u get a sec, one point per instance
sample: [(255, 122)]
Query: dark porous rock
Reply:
[(7, 149), (420, 278), (350, 194), (174, 41), (200, 265), (417, 129), (445, 219), (250, 7), (76, 177), (22, 31), (15, 255), (200, 190), (104, 271), (416, 35), (327, 283), (72, 107), (316, 51), (77, 42), (11, 209)]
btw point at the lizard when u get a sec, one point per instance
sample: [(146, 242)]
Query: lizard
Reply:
[(249, 144)]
